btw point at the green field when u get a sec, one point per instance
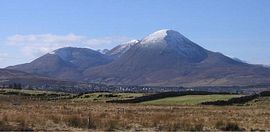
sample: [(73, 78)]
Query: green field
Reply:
[(37, 94), (190, 99), (24, 91), (102, 97)]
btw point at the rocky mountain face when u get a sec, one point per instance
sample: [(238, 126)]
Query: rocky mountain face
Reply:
[(163, 58)]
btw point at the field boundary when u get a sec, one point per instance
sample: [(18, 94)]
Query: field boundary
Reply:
[(238, 100), (166, 95)]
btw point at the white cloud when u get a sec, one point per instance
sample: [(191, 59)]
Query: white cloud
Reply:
[(3, 56), (37, 45)]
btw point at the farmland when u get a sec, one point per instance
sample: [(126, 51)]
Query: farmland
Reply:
[(103, 97), (91, 112), (190, 99)]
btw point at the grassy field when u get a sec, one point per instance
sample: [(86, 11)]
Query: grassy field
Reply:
[(190, 99), (37, 94), (33, 92), (103, 97), (18, 112)]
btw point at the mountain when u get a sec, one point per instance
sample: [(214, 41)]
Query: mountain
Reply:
[(167, 58), (65, 63), (163, 58)]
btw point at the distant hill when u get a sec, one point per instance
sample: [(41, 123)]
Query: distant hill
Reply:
[(65, 63)]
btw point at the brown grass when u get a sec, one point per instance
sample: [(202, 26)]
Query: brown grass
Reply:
[(68, 115)]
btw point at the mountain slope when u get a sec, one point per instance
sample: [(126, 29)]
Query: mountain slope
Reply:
[(167, 58), (6, 74), (65, 63)]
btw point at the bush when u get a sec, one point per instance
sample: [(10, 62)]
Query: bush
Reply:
[(87, 96), (230, 126), (91, 123)]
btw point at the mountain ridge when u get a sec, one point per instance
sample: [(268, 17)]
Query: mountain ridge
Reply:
[(163, 58)]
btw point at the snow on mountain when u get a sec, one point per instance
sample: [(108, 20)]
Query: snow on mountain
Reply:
[(121, 49), (156, 37), (163, 36), (103, 51), (52, 53), (82, 57), (239, 60), (266, 66), (171, 41)]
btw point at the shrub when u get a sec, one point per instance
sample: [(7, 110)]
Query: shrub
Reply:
[(87, 96), (230, 126), (91, 123), (220, 124)]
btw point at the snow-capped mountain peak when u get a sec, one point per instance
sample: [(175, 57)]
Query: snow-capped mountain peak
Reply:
[(161, 36)]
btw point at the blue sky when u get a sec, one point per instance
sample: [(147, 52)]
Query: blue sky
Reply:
[(30, 28)]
